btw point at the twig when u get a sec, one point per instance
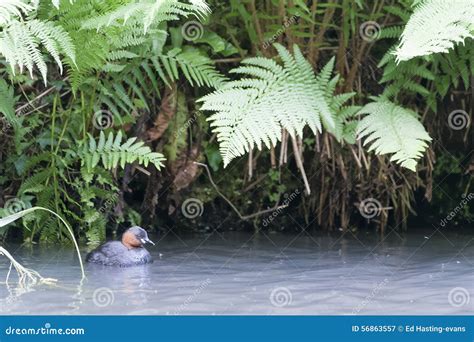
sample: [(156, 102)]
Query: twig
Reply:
[(45, 104), (44, 93), (250, 164), (246, 217), (227, 60), (299, 163)]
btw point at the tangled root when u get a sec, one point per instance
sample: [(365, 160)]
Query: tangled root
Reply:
[(26, 277)]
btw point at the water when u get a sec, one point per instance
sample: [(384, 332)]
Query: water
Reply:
[(240, 273)]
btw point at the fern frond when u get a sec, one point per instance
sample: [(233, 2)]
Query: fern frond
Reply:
[(148, 13), (12, 9), (435, 27), (252, 111), (7, 102), (20, 44), (196, 68), (389, 128), (111, 152)]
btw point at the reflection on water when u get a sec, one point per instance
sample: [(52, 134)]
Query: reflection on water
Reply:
[(242, 273)]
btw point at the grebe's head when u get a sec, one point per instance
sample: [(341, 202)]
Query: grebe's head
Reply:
[(135, 237)]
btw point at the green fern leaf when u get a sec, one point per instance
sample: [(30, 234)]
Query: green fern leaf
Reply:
[(12, 9), (253, 110), (7, 102), (111, 153), (435, 27), (148, 13), (20, 44), (389, 128)]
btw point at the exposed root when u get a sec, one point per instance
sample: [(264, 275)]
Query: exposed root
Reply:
[(26, 277)]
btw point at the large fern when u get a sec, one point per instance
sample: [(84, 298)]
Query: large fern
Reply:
[(389, 128), (271, 97), (436, 26)]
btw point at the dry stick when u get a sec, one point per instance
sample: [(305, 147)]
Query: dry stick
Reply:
[(355, 66), (299, 163), (258, 28), (255, 182), (272, 157), (43, 94), (281, 14), (250, 166), (300, 146), (328, 14), (246, 217), (282, 148), (228, 60), (45, 104), (355, 157), (312, 49)]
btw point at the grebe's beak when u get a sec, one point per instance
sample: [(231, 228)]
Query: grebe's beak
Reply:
[(147, 240)]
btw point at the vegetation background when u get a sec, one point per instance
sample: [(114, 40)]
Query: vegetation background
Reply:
[(348, 114)]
